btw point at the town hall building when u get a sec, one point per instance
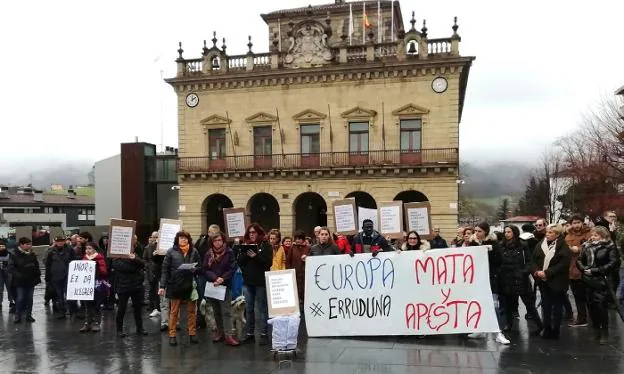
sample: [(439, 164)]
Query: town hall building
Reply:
[(348, 102)]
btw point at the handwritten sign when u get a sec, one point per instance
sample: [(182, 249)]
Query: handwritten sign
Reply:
[(446, 291), (365, 213), (418, 218), (120, 237), (235, 222), (166, 234), (344, 217), (391, 219), (282, 295), (81, 280)]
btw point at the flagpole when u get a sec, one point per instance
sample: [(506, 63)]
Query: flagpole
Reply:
[(363, 23), (279, 32), (392, 21), (351, 24), (378, 21)]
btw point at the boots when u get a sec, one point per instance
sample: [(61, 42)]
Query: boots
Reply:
[(231, 341), (218, 337)]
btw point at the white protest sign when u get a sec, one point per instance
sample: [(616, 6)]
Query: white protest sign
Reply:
[(121, 240), (418, 217), (166, 235), (446, 291), (215, 292), (365, 213), (81, 280), (282, 295), (235, 223)]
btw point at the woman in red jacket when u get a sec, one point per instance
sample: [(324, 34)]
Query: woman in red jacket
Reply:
[(101, 288)]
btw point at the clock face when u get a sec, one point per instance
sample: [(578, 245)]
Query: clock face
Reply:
[(192, 100), (439, 85)]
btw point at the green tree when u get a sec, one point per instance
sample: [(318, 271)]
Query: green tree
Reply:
[(503, 210)]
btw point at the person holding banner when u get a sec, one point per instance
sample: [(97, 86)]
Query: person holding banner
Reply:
[(551, 262), (370, 241), (219, 266), (129, 276), (101, 290), (254, 262), (482, 237), (414, 243)]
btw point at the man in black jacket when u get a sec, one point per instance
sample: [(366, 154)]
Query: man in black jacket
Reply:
[(370, 241), (56, 270)]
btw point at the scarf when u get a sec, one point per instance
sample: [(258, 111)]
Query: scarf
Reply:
[(184, 249), (91, 257), (549, 252), (216, 255), (590, 251)]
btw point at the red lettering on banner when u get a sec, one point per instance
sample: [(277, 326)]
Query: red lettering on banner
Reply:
[(439, 270), (438, 315)]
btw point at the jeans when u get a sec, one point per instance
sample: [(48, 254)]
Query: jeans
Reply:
[(24, 301), (137, 300), (60, 290), (223, 312), (164, 311), (5, 282), (256, 299), (580, 299), (567, 306), (552, 308)]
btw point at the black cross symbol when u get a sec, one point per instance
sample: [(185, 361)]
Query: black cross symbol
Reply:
[(316, 309)]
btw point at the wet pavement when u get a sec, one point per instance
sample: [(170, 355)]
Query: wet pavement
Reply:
[(53, 346)]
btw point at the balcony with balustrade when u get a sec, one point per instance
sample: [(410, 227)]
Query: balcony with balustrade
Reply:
[(321, 164)]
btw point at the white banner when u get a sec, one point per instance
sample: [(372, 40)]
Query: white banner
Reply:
[(442, 291), (81, 280)]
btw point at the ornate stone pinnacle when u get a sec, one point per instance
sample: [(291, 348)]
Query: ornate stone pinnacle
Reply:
[(250, 44), (205, 49), (223, 46), (455, 26), (180, 51), (214, 39), (413, 21), (423, 31)]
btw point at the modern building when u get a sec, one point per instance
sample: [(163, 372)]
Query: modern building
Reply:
[(26, 206), (138, 184), (341, 106)]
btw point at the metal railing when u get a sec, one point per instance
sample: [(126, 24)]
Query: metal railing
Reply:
[(324, 160)]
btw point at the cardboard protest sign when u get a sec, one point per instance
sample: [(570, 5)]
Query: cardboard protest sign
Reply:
[(418, 218), (446, 291), (81, 280), (345, 219), (120, 237), (366, 213), (166, 234), (391, 219), (235, 222), (282, 295)]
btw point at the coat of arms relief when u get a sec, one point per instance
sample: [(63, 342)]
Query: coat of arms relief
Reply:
[(308, 47)]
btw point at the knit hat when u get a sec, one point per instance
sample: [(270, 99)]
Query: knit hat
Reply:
[(484, 226)]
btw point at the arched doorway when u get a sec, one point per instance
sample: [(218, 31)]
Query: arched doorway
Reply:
[(411, 196), (363, 199), (263, 209), (310, 211), (212, 210)]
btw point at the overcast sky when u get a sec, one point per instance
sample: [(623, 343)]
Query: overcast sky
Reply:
[(80, 77)]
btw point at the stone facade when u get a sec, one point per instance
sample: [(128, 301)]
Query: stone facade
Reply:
[(320, 79)]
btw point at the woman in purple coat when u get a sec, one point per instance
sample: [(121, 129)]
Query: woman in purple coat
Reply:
[(219, 267)]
